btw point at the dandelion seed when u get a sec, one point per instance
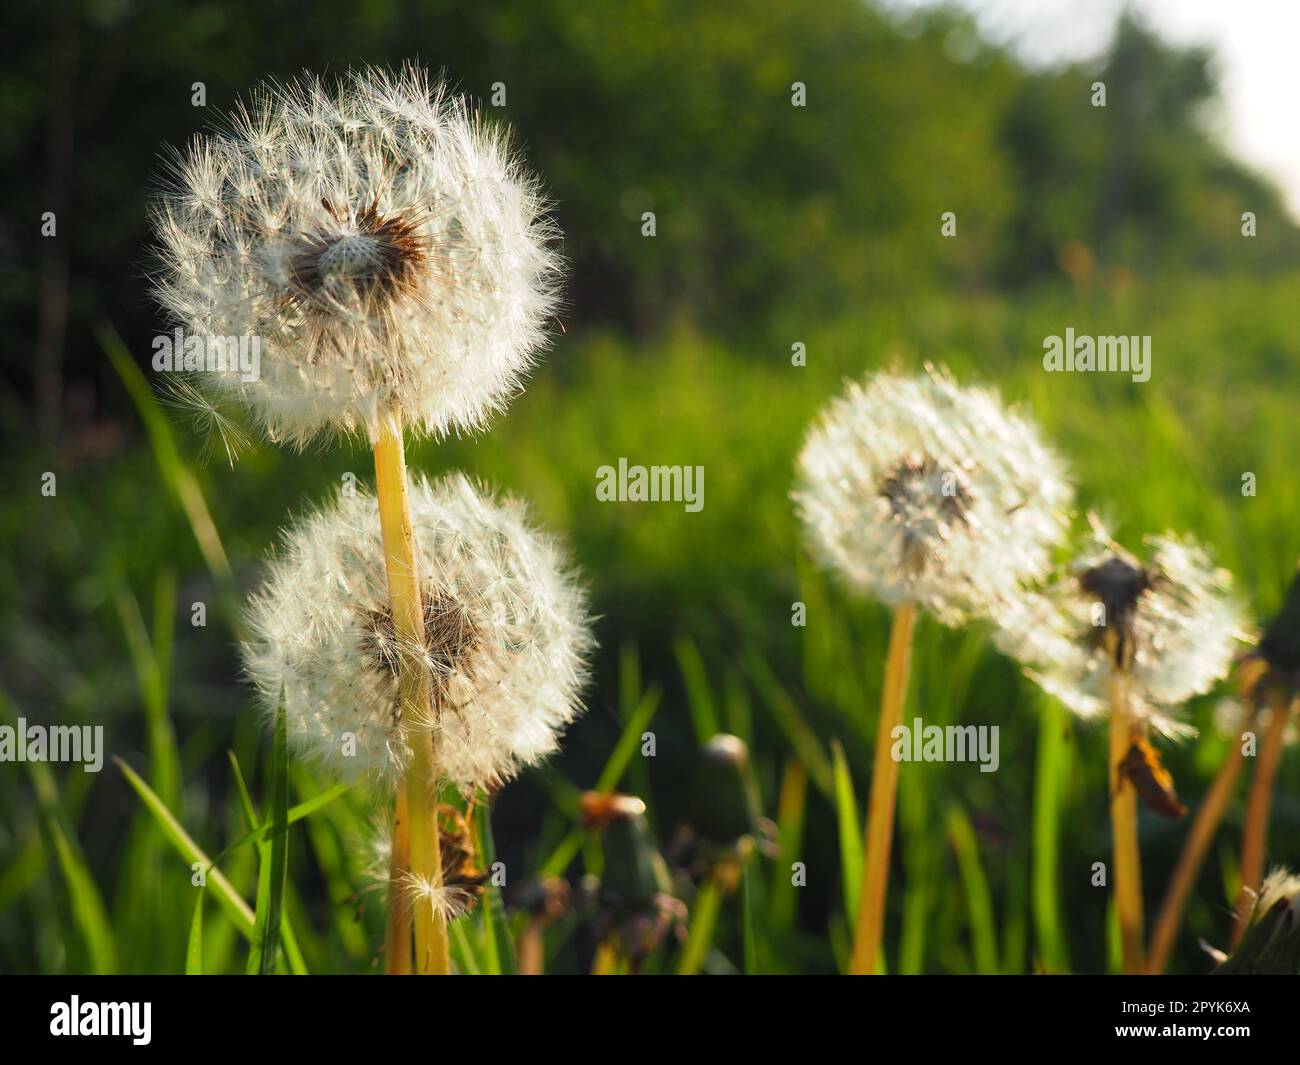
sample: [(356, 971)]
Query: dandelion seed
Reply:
[(506, 642), (214, 426), (385, 245)]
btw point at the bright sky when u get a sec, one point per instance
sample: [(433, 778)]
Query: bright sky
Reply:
[(1255, 42)]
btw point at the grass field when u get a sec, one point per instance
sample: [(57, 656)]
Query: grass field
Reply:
[(992, 871)]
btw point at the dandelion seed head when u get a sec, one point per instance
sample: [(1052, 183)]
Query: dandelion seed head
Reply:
[(506, 645), (385, 245), (913, 488), (1171, 624)]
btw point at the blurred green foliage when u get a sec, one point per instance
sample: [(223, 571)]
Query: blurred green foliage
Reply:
[(672, 106)]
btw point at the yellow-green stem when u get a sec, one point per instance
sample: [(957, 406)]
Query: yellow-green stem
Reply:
[(432, 954), (884, 790), (532, 949), (1255, 836), (1204, 825), (397, 938), (606, 961), (707, 904), (1127, 859)]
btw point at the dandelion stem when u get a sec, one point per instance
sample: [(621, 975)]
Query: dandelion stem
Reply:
[(1255, 836), (431, 946), (1124, 829), (1204, 825), (397, 939), (884, 791)]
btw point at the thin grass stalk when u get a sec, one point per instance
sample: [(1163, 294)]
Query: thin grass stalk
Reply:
[(532, 949), (884, 792), (432, 952), (1254, 839), (397, 938), (1049, 773), (1204, 825), (704, 921), (606, 961), (1127, 859)]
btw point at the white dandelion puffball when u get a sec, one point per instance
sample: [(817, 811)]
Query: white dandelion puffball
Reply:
[(1171, 624), (915, 489), (507, 637), (383, 246)]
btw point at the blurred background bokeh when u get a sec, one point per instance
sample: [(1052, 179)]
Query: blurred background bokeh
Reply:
[(776, 225)]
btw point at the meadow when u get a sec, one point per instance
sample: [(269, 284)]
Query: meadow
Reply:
[(991, 871)]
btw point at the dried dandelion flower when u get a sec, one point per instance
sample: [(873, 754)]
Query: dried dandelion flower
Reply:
[(913, 489), (1170, 624), (724, 825), (634, 905), (461, 882), (385, 246), (507, 636)]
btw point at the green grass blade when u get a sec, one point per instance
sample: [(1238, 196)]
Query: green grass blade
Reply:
[(975, 887), (699, 697), (245, 796), (463, 950), (704, 920), (629, 741), (791, 812), (629, 678), (274, 866), (752, 967), (564, 853), (788, 718), (88, 909), (1049, 783), (846, 812), (151, 660), (178, 476), (232, 902), (500, 947), (295, 814), (194, 951)]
